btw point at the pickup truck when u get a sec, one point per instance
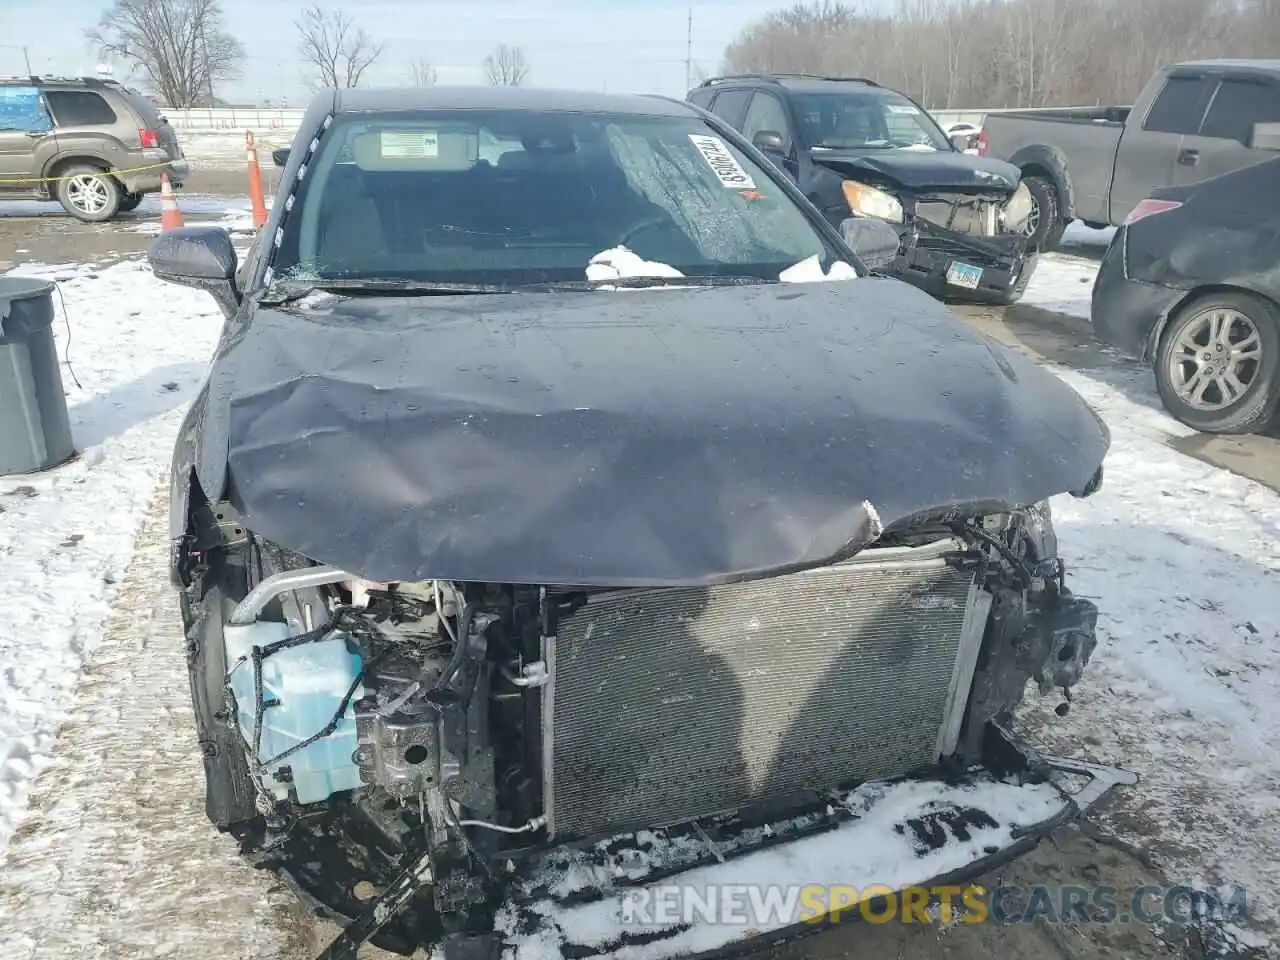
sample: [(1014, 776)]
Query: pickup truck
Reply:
[(1192, 121)]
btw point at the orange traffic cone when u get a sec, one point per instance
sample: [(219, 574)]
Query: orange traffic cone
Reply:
[(255, 180), (170, 215)]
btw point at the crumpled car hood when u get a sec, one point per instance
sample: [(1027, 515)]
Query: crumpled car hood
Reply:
[(649, 437), (914, 170)]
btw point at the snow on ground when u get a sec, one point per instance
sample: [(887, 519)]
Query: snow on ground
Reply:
[(1182, 558), (1078, 236), (115, 859), (226, 149), (138, 349), (1063, 282), (868, 851)]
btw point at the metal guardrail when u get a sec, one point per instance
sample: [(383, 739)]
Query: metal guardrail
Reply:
[(265, 119), (219, 119)]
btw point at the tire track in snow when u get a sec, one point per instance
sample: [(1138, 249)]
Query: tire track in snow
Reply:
[(114, 857)]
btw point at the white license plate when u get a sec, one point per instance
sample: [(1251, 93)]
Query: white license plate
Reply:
[(962, 275)]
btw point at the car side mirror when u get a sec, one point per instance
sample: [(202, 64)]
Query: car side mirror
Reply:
[(1265, 136), (769, 141), (200, 257), (280, 157), (874, 241), (960, 141)]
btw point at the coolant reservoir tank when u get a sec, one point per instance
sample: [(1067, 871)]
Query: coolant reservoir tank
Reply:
[(304, 687)]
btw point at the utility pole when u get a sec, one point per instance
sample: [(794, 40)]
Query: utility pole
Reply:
[(688, 52), (27, 57)]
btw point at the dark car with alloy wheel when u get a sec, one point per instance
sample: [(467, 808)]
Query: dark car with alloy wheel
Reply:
[(1191, 284), (92, 144)]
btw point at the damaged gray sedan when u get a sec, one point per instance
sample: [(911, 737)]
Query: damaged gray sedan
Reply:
[(568, 513)]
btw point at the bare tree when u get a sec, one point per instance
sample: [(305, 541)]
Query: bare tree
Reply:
[(506, 67), (993, 53), (340, 51), (422, 73), (181, 48)]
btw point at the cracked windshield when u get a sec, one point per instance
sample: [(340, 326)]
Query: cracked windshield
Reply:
[(640, 479)]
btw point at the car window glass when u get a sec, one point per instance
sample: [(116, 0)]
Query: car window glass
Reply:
[(21, 110), (1179, 106), (514, 197), (730, 105), (702, 96), (80, 108), (866, 121), (766, 113), (1237, 106)]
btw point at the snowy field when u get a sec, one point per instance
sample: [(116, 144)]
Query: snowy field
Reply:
[(227, 150), (1182, 559)]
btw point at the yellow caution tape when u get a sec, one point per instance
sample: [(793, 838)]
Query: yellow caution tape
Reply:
[(113, 172)]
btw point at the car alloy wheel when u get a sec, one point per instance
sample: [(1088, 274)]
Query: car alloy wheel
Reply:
[(1217, 366), (89, 194), (1215, 358), (1033, 218)]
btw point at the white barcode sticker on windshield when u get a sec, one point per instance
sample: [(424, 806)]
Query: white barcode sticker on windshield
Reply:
[(722, 163), (418, 145), (902, 108)]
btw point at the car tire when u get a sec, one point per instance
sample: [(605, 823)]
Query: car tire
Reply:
[(1242, 319), (230, 796), (130, 201), (1049, 224), (89, 193)]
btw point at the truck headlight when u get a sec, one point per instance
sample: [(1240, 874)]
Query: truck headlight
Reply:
[(870, 202), (1017, 210)]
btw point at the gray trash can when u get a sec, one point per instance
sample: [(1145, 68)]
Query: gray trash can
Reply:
[(35, 431)]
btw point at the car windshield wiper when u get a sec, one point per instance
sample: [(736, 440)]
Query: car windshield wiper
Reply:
[(287, 291)]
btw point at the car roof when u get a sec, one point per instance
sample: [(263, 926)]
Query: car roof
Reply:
[(91, 83), (1249, 66), (505, 98), (803, 83)]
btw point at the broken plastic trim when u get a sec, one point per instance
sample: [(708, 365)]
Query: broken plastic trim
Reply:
[(1102, 779)]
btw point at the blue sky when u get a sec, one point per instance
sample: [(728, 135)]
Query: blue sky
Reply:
[(612, 45)]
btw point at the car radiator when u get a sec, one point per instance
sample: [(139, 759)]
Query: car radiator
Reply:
[(665, 705), (963, 214)]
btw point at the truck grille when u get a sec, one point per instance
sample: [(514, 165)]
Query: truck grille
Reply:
[(666, 705)]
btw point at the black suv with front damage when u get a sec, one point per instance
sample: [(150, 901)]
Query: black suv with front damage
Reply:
[(856, 148), (569, 516)]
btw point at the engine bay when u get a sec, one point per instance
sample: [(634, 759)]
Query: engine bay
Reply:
[(469, 728)]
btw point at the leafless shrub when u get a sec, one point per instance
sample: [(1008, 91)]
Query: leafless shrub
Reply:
[(422, 73), (338, 50), (506, 67)]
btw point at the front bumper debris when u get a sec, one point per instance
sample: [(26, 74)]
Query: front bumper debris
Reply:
[(669, 890), (928, 252)]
